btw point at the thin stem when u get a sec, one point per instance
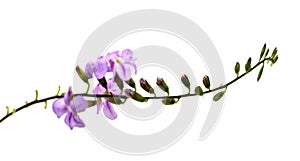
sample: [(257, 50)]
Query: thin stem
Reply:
[(126, 97), (88, 87)]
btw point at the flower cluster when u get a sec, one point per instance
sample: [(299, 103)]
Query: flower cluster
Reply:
[(120, 64)]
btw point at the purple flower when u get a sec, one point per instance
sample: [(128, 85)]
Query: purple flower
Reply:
[(99, 68), (122, 64), (108, 108), (70, 106)]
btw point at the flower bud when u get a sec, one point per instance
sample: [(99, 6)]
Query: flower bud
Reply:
[(267, 52), (218, 96), (134, 95), (274, 53), (82, 74), (206, 82), (169, 101), (146, 86), (162, 84), (131, 83), (263, 51), (199, 91), (185, 80), (248, 65), (237, 68)]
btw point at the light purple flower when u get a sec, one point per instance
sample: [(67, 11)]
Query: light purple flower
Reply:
[(70, 106), (122, 64), (108, 109), (99, 68)]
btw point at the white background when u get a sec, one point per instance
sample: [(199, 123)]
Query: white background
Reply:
[(39, 43)]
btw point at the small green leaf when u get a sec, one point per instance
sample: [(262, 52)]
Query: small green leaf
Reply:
[(82, 74), (91, 103), (199, 91), (260, 72), (248, 65), (237, 68), (262, 51), (218, 96), (206, 82)]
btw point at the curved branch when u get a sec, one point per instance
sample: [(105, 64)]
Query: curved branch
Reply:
[(125, 97)]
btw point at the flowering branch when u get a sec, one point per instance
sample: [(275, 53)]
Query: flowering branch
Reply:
[(111, 91)]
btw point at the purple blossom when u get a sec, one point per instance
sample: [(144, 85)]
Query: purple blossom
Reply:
[(99, 68), (70, 106), (108, 109), (122, 64)]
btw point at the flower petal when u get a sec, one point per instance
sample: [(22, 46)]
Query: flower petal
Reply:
[(132, 65), (113, 87), (79, 104), (127, 54), (99, 106), (73, 120), (123, 72), (68, 96), (89, 69), (99, 89), (59, 107), (101, 68), (109, 111)]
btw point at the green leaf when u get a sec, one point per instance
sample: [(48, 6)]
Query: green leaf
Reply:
[(91, 103), (218, 96), (248, 65), (199, 91), (82, 74), (237, 68), (260, 72), (262, 51)]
